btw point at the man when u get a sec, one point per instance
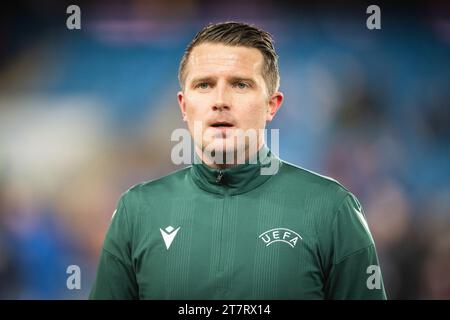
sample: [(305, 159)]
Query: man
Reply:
[(223, 229)]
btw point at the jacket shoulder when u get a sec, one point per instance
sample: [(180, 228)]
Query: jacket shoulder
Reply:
[(312, 177), (318, 184), (159, 186)]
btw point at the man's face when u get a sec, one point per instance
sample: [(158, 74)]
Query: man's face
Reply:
[(224, 89)]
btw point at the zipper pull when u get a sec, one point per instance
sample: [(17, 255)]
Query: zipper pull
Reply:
[(219, 176)]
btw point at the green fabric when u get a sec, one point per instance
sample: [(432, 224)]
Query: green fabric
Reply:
[(221, 250)]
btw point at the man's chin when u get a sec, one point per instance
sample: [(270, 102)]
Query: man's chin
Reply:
[(221, 146), (222, 151)]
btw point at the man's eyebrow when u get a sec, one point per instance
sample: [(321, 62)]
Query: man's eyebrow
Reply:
[(245, 79), (202, 79)]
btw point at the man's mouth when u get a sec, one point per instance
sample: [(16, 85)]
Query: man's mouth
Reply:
[(222, 124)]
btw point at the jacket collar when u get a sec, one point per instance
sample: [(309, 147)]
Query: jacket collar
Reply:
[(237, 179)]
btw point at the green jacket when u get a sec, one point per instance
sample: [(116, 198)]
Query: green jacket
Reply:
[(203, 233)]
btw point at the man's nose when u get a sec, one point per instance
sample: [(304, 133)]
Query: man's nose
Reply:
[(221, 101)]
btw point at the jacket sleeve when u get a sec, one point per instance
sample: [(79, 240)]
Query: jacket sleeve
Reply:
[(116, 277), (354, 272)]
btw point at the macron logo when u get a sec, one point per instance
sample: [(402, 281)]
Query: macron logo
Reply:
[(168, 235)]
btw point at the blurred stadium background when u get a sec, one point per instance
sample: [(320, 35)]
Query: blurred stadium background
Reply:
[(86, 114)]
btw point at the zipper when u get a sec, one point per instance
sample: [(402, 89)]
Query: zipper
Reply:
[(221, 287), (222, 261), (219, 176)]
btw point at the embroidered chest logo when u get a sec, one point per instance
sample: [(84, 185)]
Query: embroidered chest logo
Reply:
[(168, 235), (280, 235)]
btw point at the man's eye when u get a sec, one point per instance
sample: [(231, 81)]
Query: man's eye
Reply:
[(203, 85), (241, 85)]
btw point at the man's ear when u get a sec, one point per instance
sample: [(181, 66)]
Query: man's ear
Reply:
[(275, 102), (182, 104)]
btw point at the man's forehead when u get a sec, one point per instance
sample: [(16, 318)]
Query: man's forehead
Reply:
[(218, 57)]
